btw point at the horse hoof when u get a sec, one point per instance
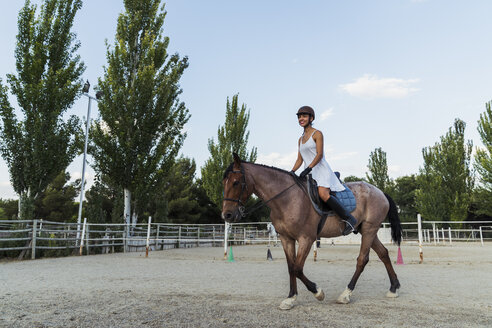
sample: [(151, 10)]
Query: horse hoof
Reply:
[(288, 303), (344, 297), (390, 294), (320, 294)]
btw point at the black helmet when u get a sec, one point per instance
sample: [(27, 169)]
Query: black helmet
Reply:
[(306, 110)]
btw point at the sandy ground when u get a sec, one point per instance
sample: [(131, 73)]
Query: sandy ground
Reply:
[(197, 288)]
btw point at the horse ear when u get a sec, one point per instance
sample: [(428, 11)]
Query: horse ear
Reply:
[(237, 160)]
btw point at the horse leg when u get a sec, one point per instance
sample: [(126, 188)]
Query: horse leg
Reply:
[(302, 253), (289, 246), (368, 236), (382, 252)]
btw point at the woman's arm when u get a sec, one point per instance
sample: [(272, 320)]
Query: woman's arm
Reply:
[(298, 162), (318, 139)]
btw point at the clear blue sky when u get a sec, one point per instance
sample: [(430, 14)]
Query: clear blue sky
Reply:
[(392, 74)]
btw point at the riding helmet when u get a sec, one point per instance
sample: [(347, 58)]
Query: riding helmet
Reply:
[(306, 110)]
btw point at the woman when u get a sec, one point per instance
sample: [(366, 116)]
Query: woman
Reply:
[(311, 153)]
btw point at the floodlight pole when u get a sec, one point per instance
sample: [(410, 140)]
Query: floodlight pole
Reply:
[(84, 162)]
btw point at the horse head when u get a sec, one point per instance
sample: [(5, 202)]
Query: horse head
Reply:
[(236, 191)]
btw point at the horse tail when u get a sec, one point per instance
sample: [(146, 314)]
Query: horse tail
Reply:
[(394, 220)]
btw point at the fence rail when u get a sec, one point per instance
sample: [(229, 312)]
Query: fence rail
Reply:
[(19, 238)]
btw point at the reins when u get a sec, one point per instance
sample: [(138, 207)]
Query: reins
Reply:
[(262, 203), (245, 211)]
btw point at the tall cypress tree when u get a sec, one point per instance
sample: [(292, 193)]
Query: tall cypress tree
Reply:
[(446, 179), (40, 145), (232, 138), (483, 163), (378, 170), (139, 131)]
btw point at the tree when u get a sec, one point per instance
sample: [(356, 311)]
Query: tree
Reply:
[(47, 83), (232, 137), (403, 193), (183, 207), (56, 202), (483, 164), (9, 209), (378, 170), (139, 131), (352, 178), (103, 201), (446, 180)]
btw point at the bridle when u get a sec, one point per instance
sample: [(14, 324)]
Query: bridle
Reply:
[(241, 207), (242, 210)]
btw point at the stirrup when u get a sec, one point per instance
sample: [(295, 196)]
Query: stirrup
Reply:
[(349, 228)]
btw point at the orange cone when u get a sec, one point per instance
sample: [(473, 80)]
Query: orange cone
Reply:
[(399, 259)]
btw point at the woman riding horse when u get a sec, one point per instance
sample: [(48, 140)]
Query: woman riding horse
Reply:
[(311, 153)]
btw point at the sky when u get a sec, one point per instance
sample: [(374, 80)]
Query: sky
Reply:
[(393, 74)]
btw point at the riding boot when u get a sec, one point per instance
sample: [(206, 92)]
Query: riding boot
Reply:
[(350, 221)]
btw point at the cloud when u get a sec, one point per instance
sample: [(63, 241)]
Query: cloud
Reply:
[(371, 87), (394, 169), (327, 113), (283, 161), (341, 156), (286, 161)]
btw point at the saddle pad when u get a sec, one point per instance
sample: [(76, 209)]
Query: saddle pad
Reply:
[(345, 197)]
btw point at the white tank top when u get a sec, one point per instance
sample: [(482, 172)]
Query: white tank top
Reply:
[(322, 171)]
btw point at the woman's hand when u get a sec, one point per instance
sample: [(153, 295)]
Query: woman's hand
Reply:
[(305, 172)]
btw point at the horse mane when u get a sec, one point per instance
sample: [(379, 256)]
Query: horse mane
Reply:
[(230, 168)]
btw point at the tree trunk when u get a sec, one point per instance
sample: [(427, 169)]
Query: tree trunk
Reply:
[(127, 210), (134, 219), (26, 206), (19, 206)]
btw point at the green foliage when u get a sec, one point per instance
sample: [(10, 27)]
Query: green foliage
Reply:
[(446, 180), (139, 131), (183, 206), (352, 178), (9, 208), (210, 213), (56, 202), (47, 83), (483, 164), (378, 170), (403, 193), (103, 203), (232, 138)]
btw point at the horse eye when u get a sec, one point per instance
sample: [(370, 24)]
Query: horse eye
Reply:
[(235, 183)]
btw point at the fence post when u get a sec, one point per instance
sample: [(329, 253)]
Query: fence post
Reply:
[(434, 233), (419, 223), (156, 243), (148, 236), (226, 230), (179, 237), (443, 238), (33, 242), (125, 241), (450, 241), (481, 235), (82, 237), (87, 246), (213, 236)]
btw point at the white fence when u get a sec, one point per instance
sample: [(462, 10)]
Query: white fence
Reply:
[(43, 238), (18, 237)]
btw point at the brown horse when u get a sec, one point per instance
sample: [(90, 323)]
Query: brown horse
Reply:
[(295, 219)]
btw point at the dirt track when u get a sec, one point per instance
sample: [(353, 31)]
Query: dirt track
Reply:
[(197, 288)]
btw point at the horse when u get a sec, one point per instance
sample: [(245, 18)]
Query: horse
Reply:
[(295, 219)]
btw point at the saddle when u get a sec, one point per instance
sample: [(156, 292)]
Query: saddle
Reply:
[(345, 197)]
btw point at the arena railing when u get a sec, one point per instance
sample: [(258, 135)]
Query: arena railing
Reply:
[(40, 238)]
